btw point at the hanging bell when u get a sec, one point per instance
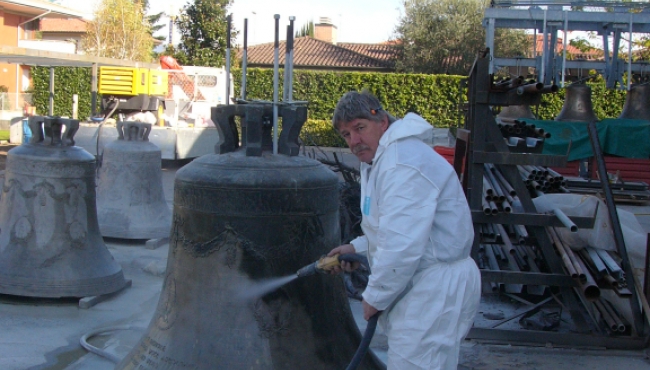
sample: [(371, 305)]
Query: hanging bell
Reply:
[(577, 105), (637, 103), (130, 199), (50, 245), (510, 113), (242, 219)]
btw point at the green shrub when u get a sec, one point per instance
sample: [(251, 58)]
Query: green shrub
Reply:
[(434, 97)]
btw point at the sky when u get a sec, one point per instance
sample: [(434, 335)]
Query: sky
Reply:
[(362, 21)]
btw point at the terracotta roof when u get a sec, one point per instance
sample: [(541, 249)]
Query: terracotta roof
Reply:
[(63, 25), (570, 49), (311, 53)]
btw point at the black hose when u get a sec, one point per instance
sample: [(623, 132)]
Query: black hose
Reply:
[(365, 342)]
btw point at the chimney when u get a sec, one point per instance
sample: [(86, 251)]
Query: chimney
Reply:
[(324, 30)]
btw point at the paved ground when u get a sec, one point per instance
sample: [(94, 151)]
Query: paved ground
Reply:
[(45, 334)]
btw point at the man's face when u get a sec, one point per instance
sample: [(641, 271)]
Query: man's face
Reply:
[(362, 136)]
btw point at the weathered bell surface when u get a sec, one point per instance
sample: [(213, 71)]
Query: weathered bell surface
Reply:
[(50, 245), (130, 199), (510, 113), (577, 105), (637, 103), (240, 218)]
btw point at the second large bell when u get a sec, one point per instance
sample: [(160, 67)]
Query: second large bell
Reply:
[(130, 199), (50, 244)]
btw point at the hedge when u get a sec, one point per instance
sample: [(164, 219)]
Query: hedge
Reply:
[(67, 82), (434, 97)]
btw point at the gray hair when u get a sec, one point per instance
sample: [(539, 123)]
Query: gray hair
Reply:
[(354, 105)]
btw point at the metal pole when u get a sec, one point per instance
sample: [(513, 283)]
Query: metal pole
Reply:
[(543, 71), (629, 62), (244, 61), (75, 106), (228, 21), (285, 83), (290, 46), (276, 66), (50, 110), (615, 222), (93, 94), (566, 36)]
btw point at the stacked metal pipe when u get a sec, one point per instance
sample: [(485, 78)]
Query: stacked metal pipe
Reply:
[(498, 194), (605, 313), (540, 180), (507, 247), (521, 129)]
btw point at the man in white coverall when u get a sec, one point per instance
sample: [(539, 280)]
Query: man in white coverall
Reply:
[(418, 233)]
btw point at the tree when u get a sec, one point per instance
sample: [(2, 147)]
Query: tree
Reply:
[(306, 30), (444, 36), (203, 29), (153, 20), (118, 31)]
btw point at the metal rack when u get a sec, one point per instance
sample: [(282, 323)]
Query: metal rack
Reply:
[(481, 142)]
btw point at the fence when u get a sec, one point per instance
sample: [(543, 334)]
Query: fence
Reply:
[(14, 101)]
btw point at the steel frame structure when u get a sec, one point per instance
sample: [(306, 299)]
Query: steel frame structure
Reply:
[(554, 17)]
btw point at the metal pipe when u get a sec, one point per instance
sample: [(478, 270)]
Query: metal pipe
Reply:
[(276, 67), (617, 318), (492, 263), (563, 255), (50, 110), (572, 257), (607, 318), (544, 44), (228, 26), (244, 61), (589, 287), (291, 20), (566, 221), (596, 260), (285, 80), (530, 88), (613, 268), (566, 36), (502, 180), (506, 240), (629, 60), (550, 89)]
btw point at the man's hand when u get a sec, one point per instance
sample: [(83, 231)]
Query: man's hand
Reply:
[(368, 310), (345, 266)]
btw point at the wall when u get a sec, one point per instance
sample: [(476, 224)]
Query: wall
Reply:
[(8, 36)]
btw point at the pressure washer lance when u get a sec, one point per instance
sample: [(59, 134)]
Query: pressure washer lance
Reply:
[(326, 264)]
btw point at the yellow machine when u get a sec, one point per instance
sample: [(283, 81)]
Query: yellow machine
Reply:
[(128, 90)]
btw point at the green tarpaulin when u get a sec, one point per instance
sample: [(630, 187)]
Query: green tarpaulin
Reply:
[(620, 137)]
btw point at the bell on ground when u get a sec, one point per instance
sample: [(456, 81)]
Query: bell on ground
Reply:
[(577, 105), (510, 113), (50, 244), (241, 218), (637, 103), (130, 199)]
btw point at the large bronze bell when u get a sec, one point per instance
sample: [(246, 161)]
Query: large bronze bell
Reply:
[(242, 217), (50, 245), (510, 113), (637, 103), (577, 105), (130, 199)]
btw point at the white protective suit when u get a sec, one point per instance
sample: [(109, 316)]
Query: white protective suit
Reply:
[(418, 234)]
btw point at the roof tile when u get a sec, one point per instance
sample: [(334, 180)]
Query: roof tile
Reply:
[(63, 25), (310, 52)]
